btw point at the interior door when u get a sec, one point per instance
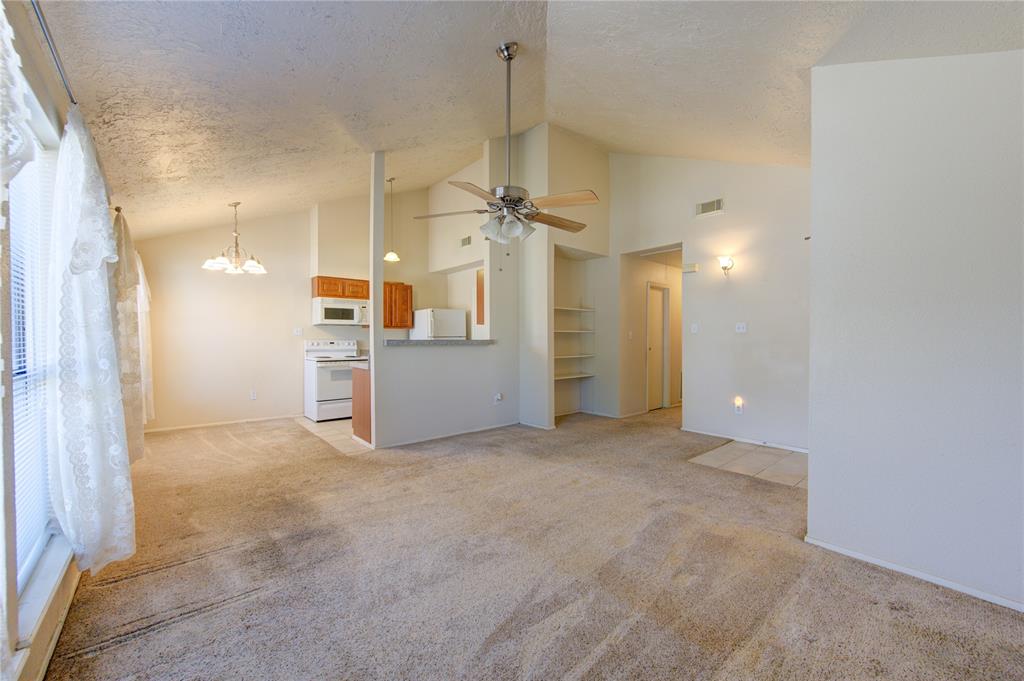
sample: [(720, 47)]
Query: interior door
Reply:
[(655, 347)]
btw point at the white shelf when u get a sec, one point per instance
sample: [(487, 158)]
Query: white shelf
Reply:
[(567, 377), (573, 356), (575, 309), (574, 331)]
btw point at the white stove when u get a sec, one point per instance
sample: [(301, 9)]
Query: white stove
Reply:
[(328, 378)]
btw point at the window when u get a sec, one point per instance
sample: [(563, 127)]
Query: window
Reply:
[(30, 197)]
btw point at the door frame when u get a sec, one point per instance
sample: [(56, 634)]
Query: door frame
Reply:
[(666, 344)]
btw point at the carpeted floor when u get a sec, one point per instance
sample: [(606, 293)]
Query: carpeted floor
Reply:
[(594, 551)]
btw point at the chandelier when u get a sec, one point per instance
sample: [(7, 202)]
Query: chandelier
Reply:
[(234, 259)]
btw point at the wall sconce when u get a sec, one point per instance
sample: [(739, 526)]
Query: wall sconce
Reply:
[(726, 263)]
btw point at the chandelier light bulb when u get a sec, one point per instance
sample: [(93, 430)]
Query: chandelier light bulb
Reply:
[(512, 227), (391, 256), (492, 228)]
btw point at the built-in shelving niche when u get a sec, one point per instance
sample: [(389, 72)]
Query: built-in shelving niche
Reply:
[(575, 357)]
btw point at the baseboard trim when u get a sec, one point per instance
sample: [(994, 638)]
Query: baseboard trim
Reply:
[(361, 441), (441, 437), (220, 423), (991, 598), (763, 443), (613, 416)]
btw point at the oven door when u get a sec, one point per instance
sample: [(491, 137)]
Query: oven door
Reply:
[(333, 381)]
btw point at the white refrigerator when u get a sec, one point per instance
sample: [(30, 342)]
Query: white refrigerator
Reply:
[(434, 323)]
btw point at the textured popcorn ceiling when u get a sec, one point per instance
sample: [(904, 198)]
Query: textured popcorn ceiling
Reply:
[(731, 80), (277, 104)]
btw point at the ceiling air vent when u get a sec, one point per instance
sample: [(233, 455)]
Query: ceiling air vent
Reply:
[(467, 240), (713, 206)]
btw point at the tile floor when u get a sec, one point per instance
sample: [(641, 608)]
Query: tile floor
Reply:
[(338, 434), (768, 463)]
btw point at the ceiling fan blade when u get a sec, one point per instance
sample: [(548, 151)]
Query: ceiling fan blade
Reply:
[(481, 211), (476, 191), (555, 221), (580, 198)]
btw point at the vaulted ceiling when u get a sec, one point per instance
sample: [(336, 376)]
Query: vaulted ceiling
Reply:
[(277, 104)]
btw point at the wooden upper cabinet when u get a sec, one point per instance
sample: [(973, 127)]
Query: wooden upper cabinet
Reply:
[(338, 287), (355, 288), (397, 310)]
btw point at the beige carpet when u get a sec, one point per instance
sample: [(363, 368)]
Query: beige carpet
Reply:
[(591, 552)]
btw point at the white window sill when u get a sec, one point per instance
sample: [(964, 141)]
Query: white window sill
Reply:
[(42, 586)]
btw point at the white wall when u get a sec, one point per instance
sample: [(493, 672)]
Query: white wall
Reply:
[(536, 272), (429, 392), (462, 296), (574, 163), (342, 240), (446, 234), (411, 241), (766, 217), (916, 332), (216, 337)]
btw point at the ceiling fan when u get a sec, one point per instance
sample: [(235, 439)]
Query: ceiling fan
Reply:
[(510, 208)]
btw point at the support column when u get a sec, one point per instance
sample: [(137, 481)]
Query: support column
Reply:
[(376, 270)]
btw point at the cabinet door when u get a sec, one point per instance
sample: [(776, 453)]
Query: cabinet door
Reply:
[(403, 313), (328, 287), (387, 310), (356, 288)]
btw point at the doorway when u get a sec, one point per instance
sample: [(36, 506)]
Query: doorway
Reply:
[(658, 345)]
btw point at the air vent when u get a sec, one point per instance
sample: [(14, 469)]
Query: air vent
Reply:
[(467, 240), (714, 206)]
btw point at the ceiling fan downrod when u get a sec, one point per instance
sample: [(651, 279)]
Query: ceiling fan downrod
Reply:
[(510, 209), (507, 52)]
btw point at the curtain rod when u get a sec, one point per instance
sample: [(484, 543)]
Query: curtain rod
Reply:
[(53, 49)]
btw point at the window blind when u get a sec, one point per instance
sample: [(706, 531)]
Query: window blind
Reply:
[(30, 196)]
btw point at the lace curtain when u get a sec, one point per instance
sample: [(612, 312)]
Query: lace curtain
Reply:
[(145, 344), (124, 286), (90, 481)]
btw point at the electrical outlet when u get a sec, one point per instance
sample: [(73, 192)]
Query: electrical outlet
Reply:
[(297, 331), (252, 394), (741, 327), (629, 335), (498, 397), (737, 405), (694, 328)]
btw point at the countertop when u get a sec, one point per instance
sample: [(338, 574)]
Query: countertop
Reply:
[(392, 342)]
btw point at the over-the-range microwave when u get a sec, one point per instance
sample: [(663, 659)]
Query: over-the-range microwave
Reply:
[(339, 311)]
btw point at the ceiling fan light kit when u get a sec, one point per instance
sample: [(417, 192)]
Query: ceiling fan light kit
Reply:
[(510, 208)]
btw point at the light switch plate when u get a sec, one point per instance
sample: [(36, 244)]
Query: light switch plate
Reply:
[(694, 328), (741, 327)]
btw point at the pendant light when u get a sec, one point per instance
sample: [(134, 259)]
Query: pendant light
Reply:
[(234, 259), (391, 256)]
